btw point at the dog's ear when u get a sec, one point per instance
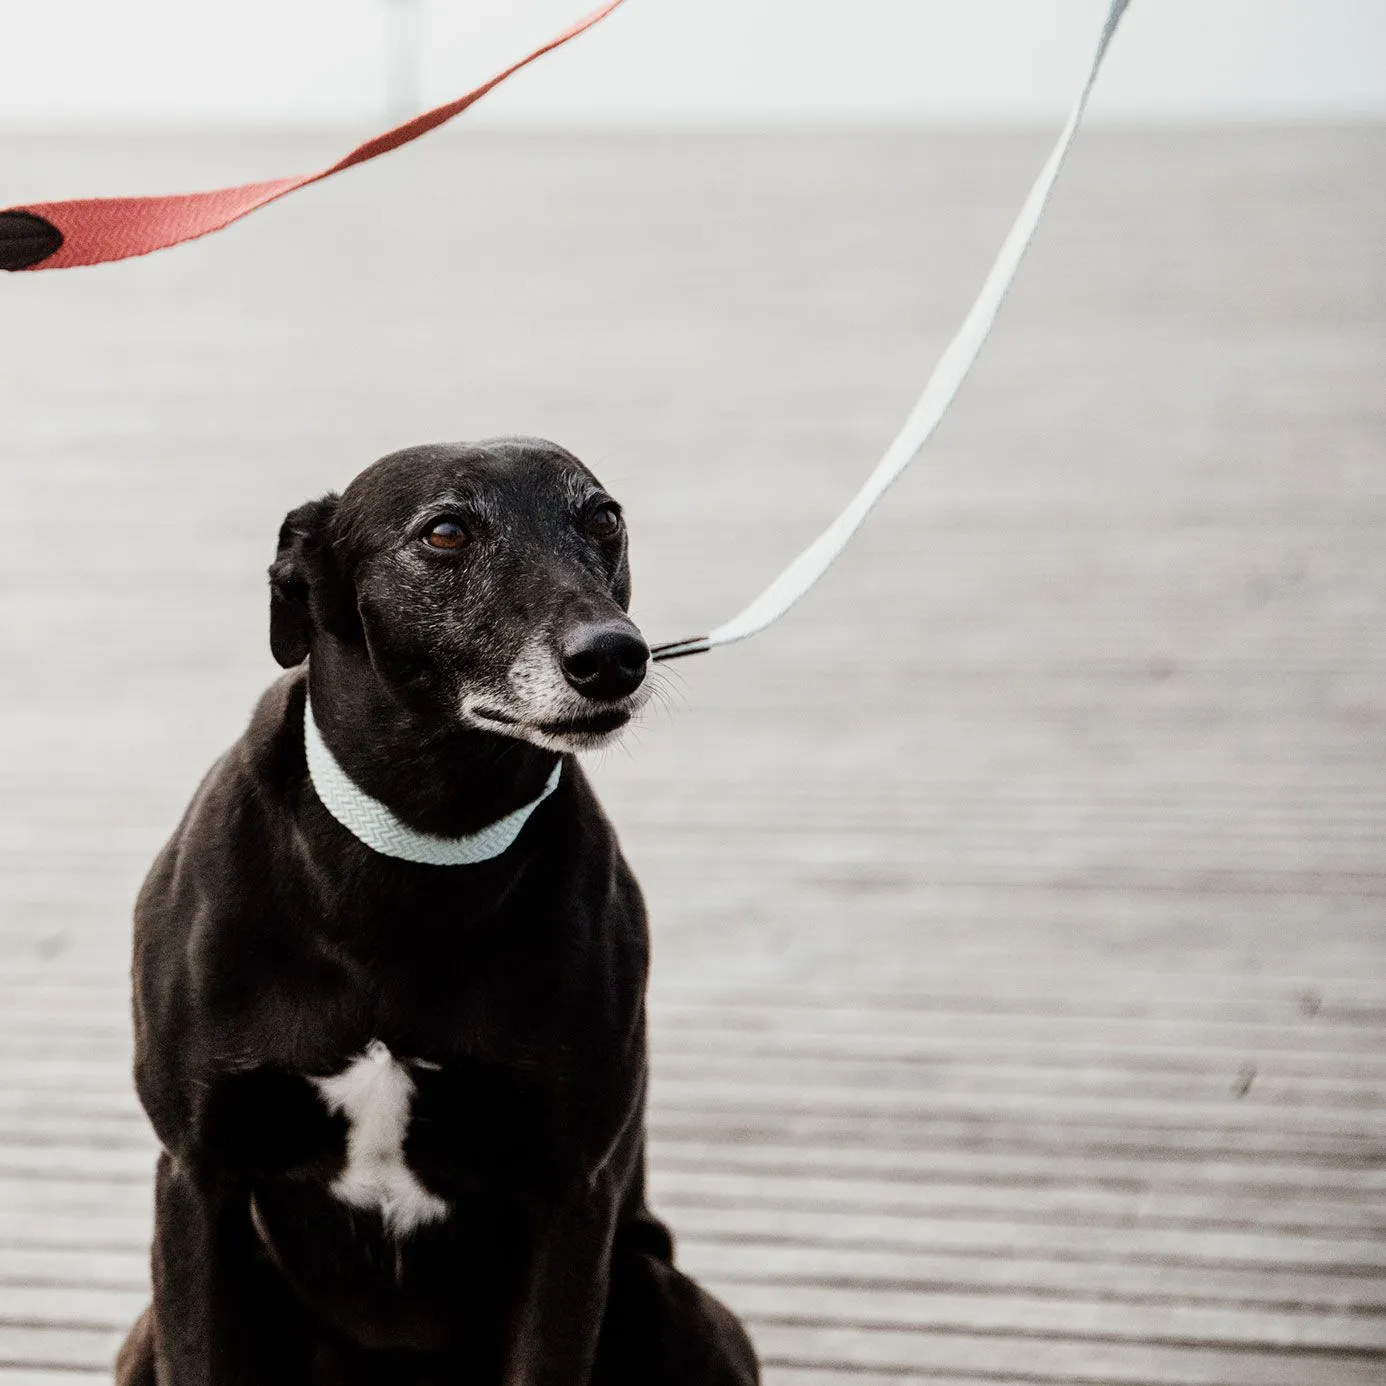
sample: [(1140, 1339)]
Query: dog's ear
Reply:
[(296, 569)]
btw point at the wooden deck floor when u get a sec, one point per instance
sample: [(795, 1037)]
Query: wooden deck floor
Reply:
[(1020, 903)]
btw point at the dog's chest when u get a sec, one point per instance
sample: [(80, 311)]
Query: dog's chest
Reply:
[(375, 1093)]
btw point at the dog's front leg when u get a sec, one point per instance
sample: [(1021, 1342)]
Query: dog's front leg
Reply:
[(555, 1342), (219, 1319)]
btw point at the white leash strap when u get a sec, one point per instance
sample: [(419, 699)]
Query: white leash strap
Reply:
[(943, 385)]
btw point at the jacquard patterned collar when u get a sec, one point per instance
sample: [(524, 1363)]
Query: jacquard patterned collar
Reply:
[(370, 821)]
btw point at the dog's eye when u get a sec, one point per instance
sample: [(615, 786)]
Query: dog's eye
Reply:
[(603, 521), (446, 534)]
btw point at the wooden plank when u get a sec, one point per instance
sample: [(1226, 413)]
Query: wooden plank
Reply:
[(1347, 1112), (56, 1146), (951, 984), (1207, 1032), (69, 1171), (1225, 1211), (827, 1376), (119, 1130), (1210, 1247), (1248, 1082), (119, 1270), (1134, 1174), (12, 1375), (1042, 1131), (870, 1351), (88, 1349), (88, 1307), (118, 1232), (984, 1050), (801, 1120), (1020, 1315), (39, 1221), (1303, 1009), (746, 1125), (1364, 1222), (1120, 1282), (1111, 1282)]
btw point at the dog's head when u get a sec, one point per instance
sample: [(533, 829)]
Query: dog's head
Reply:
[(486, 583)]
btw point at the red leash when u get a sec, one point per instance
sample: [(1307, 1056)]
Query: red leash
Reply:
[(89, 231)]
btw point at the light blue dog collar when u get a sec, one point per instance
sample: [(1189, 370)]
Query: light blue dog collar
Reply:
[(372, 823)]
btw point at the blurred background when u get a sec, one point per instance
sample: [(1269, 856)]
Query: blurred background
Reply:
[(1019, 1010), (688, 62)]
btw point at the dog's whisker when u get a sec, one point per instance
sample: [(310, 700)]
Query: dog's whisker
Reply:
[(669, 697), (671, 674)]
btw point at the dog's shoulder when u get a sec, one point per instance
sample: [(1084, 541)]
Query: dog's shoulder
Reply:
[(264, 771), (269, 758), (241, 802), (208, 906)]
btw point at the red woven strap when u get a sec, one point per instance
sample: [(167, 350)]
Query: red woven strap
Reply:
[(88, 231)]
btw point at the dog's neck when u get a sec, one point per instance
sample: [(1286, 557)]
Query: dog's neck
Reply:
[(434, 777)]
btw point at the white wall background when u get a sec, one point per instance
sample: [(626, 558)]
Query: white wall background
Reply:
[(80, 62)]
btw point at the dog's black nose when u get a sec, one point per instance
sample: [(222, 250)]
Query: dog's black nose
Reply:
[(604, 661)]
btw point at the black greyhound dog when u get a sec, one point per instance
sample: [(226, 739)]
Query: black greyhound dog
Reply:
[(390, 970)]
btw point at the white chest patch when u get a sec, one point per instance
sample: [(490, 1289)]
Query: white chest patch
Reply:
[(375, 1094)]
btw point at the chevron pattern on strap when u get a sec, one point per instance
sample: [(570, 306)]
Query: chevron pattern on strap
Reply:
[(368, 820)]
